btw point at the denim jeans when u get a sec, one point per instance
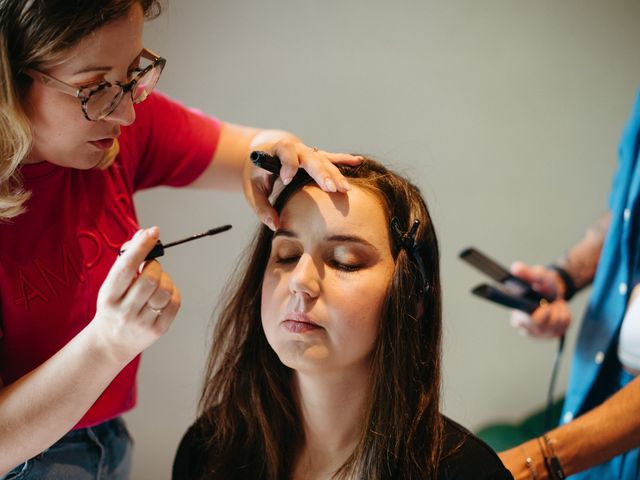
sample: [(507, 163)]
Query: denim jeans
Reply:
[(101, 452)]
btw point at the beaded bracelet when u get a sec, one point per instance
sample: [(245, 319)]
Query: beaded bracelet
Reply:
[(551, 462), (528, 461), (533, 475)]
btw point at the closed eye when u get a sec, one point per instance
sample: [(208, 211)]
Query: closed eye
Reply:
[(288, 260), (94, 85), (345, 267)]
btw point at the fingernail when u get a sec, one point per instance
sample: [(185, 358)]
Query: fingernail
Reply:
[(346, 186), (286, 180), (270, 223), (329, 185), (153, 232)]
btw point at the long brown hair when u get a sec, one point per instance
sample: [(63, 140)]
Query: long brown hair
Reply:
[(32, 33), (249, 427)]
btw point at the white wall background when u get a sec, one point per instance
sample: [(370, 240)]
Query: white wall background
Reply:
[(506, 113)]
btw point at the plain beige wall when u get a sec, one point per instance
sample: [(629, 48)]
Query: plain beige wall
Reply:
[(506, 113)]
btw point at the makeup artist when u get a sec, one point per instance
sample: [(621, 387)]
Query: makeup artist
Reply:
[(81, 130), (600, 431)]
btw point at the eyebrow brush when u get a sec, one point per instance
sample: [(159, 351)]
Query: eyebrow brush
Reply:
[(268, 162)]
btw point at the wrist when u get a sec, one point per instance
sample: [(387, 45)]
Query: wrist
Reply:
[(533, 466), (570, 288), (104, 349)]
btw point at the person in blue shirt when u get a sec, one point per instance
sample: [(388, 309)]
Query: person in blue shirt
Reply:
[(599, 434)]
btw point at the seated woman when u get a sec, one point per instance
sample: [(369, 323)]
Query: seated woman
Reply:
[(325, 361)]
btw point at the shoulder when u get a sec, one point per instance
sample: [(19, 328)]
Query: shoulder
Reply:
[(630, 133), (168, 144), (465, 456), (189, 455)]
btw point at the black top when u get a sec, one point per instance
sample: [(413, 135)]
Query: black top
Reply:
[(465, 457)]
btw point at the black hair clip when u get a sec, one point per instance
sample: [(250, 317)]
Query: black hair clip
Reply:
[(407, 241)]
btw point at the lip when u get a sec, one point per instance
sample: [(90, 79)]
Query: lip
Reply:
[(103, 143), (299, 322)]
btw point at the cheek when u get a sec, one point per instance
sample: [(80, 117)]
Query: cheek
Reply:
[(367, 293), (271, 296), (59, 127), (56, 114), (361, 306)]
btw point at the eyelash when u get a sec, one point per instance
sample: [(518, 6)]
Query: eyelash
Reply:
[(343, 267), (287, 260), (91, 84)]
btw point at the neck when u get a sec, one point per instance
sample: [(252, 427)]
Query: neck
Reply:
[(332, 408)]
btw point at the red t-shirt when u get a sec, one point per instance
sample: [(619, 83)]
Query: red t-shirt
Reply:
[(54, 257)]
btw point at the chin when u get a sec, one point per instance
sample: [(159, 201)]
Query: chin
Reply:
[(303, 358), (109, 156), (100, 159)]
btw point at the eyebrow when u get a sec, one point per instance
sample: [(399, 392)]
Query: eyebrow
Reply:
[(103, 68), (92, 68), (283, 232)]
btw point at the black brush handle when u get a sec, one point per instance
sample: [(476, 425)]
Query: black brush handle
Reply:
[(268, 162), (156, 251)]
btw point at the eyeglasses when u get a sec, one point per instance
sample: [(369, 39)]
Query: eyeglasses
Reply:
[(99, 101)]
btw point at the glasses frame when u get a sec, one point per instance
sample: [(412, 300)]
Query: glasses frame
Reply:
[(85, 93)]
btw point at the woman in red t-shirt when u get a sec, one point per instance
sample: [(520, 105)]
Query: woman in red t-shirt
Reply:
[(74, 316)]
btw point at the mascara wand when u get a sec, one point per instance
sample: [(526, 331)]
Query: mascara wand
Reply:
[(159, 247)]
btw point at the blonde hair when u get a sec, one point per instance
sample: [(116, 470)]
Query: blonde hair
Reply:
[(33, 32), (15, 141)]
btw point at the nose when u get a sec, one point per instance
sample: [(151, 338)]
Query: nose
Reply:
[(305, 277), (124, 114)]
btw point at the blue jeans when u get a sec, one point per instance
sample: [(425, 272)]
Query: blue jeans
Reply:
[(101, 452)]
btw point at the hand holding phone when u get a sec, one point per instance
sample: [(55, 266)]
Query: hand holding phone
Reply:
[(511, 291)]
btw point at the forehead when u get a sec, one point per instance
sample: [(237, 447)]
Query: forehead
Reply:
[(315, 212), (118, 42)]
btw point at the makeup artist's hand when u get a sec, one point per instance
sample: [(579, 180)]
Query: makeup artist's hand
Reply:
[(320, 165), (137, 302), (549, 320)]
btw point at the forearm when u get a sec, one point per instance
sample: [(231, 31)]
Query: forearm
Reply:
[(581, 260), (40, 407), (606, 431), (225, 172)]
